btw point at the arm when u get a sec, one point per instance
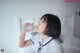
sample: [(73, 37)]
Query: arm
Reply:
[(22, 42)]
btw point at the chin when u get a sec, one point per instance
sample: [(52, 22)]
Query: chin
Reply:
[(39, 32)]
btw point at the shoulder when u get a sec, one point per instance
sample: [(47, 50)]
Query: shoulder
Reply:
[(55, 42), (56, 46)]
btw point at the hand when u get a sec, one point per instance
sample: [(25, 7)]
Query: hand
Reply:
[(27, 27)]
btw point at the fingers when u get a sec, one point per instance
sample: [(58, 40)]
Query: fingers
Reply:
[(28, 27)]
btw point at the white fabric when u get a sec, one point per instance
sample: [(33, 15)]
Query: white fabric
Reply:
[(52, 47), (28, 36)]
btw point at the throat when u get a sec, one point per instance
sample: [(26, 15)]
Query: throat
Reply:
[(43, 38)]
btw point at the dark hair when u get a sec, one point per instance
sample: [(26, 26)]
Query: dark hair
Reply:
[(53, 28)]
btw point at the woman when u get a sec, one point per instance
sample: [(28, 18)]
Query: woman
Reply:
[(46, 41)]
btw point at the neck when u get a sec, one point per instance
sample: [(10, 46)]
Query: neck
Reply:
[(43, 37)]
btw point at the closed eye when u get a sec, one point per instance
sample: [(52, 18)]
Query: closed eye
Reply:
[(42, 21)]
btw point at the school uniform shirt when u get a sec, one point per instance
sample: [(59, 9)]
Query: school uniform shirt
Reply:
[(54, 46)]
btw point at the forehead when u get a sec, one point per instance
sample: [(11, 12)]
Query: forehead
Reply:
[(43, 18)]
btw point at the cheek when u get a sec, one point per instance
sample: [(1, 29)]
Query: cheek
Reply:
[(41, 28)]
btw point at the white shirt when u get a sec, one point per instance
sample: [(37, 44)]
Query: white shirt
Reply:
[(53, 46)]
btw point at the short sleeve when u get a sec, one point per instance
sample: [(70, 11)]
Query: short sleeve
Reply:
[(28, 36)]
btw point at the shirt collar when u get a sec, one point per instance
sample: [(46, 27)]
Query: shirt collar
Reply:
[(47, 39)]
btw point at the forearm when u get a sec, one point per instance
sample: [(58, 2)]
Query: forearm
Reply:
[(21, 42)]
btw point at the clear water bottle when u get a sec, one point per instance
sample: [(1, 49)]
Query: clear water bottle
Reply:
[(32, 31), (30, 26)]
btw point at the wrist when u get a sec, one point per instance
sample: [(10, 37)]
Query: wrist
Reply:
[(22, 38)]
